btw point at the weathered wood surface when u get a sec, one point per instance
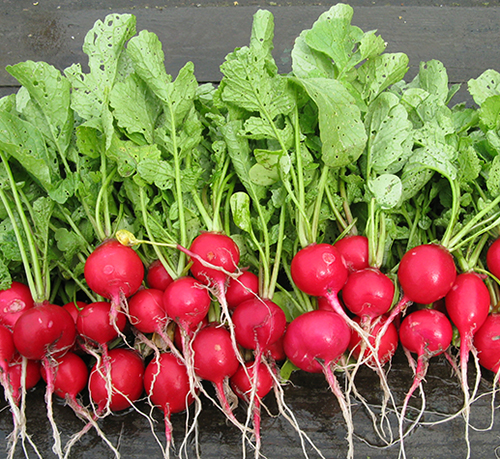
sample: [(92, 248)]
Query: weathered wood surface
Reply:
[(465, 39)]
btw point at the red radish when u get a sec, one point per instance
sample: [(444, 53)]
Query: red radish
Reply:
[(215, 249), (13, 302), (215, 360), (275, 350), (146, 311), (74, 308), (258, 323), (166, 382), (314, 342), (126, 371), (44, 331), (7, 349), (426, 274), (354, 250), (14, 375), (493, 258), (427, 333), (487, 342), (70, 376), (94, 323), (115, 272), (467, 304), (244, 287), (186, 302), (253, 375), (368, 293), (157, 276), (386, 347)]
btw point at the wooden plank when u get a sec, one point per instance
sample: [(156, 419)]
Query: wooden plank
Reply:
[(465, 39)]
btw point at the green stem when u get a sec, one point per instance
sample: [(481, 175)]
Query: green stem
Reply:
[(34, 269), (277, 255), (333, 207), (455, 211), (156, 248), (102, 196)]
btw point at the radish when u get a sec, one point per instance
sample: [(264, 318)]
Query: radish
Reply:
[(252, 382), (427, 333), (115, 272), (493, 258), (215, 360), (166, 382), (368, 293), (95, 327), (13, 302), (74, 308), (146, 312), (22, 375), (467, 304), (426, 274), (487, 343), (386, 348), (241, 288), (157, 276), (7, 350), (126, 371), (354, 250), (186, 302), (46, 332), (314, 342), (258, 324)]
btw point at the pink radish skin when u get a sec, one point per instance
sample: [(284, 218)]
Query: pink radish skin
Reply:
[(427, 333), (13, 302), (258, 323), (7, 348), (487, 342), (217, 249), (316, 339), (166, 382), (94, 323), (242, 383), (314, 342), (243, 288), (146, 311), (426, 274), (467, 303), (126, 374), (354, 250), (368, 293), (114, 270), (74, 308), (14, 372), (43, 331), (493, 258), (186, 302), (157, 276), (386, 348), (215, 360), (71, 376)]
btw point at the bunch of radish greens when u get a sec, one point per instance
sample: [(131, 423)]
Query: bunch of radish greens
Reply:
[(176, 243)]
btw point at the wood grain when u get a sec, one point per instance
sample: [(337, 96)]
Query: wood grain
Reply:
[(465, 39)]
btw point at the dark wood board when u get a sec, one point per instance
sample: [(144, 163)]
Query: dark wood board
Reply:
[(465, 39)]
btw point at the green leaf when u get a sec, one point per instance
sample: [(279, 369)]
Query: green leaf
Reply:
[(493, 180), (240, 209), (25, 143), (135, 107), (433, 77), (489, 113), (342, 132), (161, 173), (5, 277), (309, 63), (380, 72), (485, 85), (104, 44), (387, 190), (390, 134), (49, 92), (128, 155)]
